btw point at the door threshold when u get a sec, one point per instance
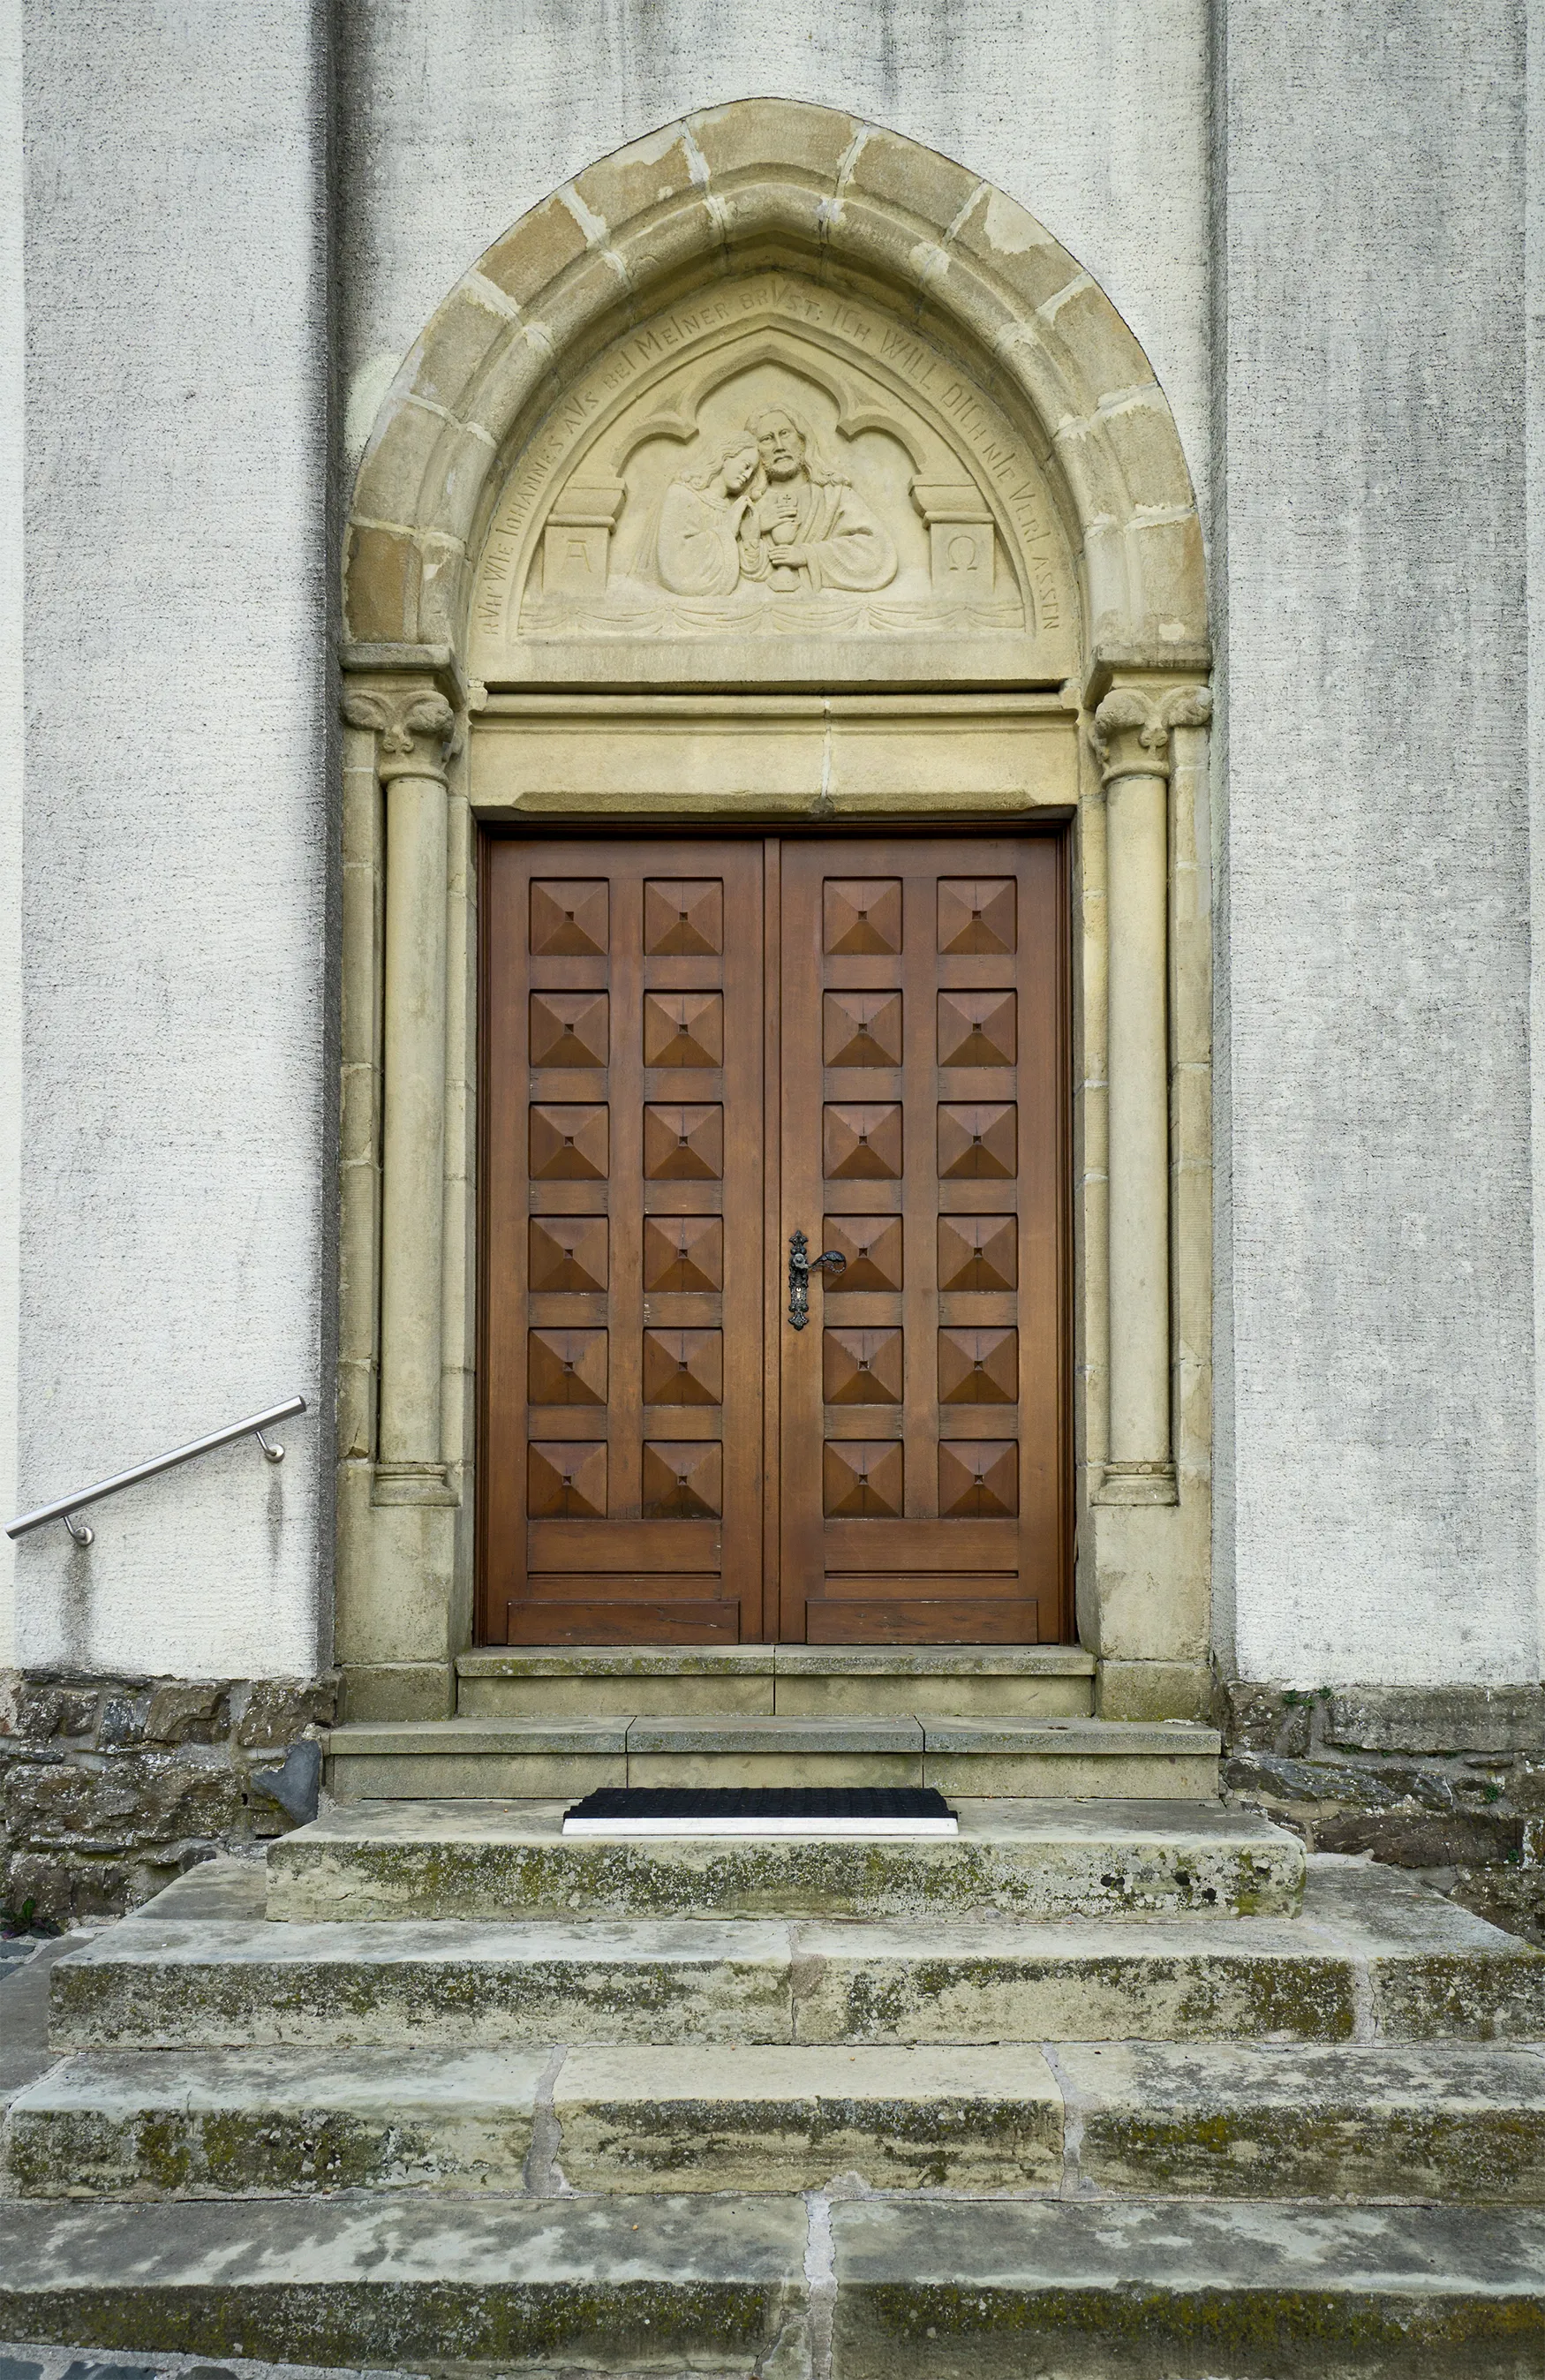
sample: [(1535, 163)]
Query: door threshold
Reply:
[(776, 1660)]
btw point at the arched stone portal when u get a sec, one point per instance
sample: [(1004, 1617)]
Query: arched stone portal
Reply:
[(575, 594)]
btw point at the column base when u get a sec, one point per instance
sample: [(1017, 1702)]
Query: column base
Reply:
[(399, 1690), (412, 1483), (1137, 1483), (1153, 1690)]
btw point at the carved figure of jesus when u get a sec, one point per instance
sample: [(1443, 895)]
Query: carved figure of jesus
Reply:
[(802, 525)]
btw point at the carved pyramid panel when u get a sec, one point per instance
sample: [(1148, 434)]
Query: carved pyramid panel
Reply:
[(683, 1482), (862, 1480), (683, 1144), (682, 917), (979, 1251), (978, 1478), (861, 1368), (862, 1144), (861, 1028), (979, 1143), (569, 1028), (568, 1252), (570, 920), (566, 1368), (976, 913), (570, 1143), (979, 1368), (565, 1480), (977, 1028), (872, 1245), (863, 914), (683, 1252), (683, 1028), (684, 1367)]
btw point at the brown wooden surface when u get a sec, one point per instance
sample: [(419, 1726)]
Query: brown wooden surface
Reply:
[(693, 1047), (924, 1457), (624, 1225)]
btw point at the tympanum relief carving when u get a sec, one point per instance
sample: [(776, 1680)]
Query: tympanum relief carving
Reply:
[(770, 513), (768, 480)]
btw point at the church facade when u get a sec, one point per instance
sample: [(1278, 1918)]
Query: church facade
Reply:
[(774, 797)]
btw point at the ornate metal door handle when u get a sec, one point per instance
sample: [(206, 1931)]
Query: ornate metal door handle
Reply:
[(801, 1267)]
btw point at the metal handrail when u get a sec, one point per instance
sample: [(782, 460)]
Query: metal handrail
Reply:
[(63, 1507)]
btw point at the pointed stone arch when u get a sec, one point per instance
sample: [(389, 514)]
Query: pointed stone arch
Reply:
[(715, 194)]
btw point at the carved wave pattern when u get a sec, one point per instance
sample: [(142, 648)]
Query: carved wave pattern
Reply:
[(758, 613)]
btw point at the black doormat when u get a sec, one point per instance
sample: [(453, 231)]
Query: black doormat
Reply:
[(875, 1810)]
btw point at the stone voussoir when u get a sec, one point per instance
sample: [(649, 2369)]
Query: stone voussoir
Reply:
[(1010, 1859)]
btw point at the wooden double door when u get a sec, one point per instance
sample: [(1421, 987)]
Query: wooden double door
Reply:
[(695, 1049)]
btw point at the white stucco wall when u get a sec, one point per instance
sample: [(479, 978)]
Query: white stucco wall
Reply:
[(11, 731), (1534, 414), (1378, 1453), (177, 1187), (1091, 113)]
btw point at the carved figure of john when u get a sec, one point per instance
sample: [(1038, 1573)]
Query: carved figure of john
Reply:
[(802, 525)]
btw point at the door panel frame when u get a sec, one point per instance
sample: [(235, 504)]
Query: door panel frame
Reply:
[(1054, 825)]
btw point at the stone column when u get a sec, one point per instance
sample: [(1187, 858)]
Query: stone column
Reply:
[(1132, 729), (417, 734)]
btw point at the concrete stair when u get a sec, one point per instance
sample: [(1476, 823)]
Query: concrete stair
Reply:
[(891, 2289), (777, 1680), (967, 2137), (1373, 1959), (1442, 2122), (1020, 1859), (981, 1722), (969, 1759)]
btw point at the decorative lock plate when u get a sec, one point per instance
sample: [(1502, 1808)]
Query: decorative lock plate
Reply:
[(801, 1266)]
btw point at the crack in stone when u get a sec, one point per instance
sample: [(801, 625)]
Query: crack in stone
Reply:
[(1073, 2184), (544, 2175), (820, 2282)]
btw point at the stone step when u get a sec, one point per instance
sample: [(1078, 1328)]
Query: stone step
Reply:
[(1374, 1957), (903, 2289), (265, 2123), (370, 1860), (777, 1680), (499, 1759), (1442, 2123)]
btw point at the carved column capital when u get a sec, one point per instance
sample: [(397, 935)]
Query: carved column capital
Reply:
[(1134, 725), (418, 733)]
